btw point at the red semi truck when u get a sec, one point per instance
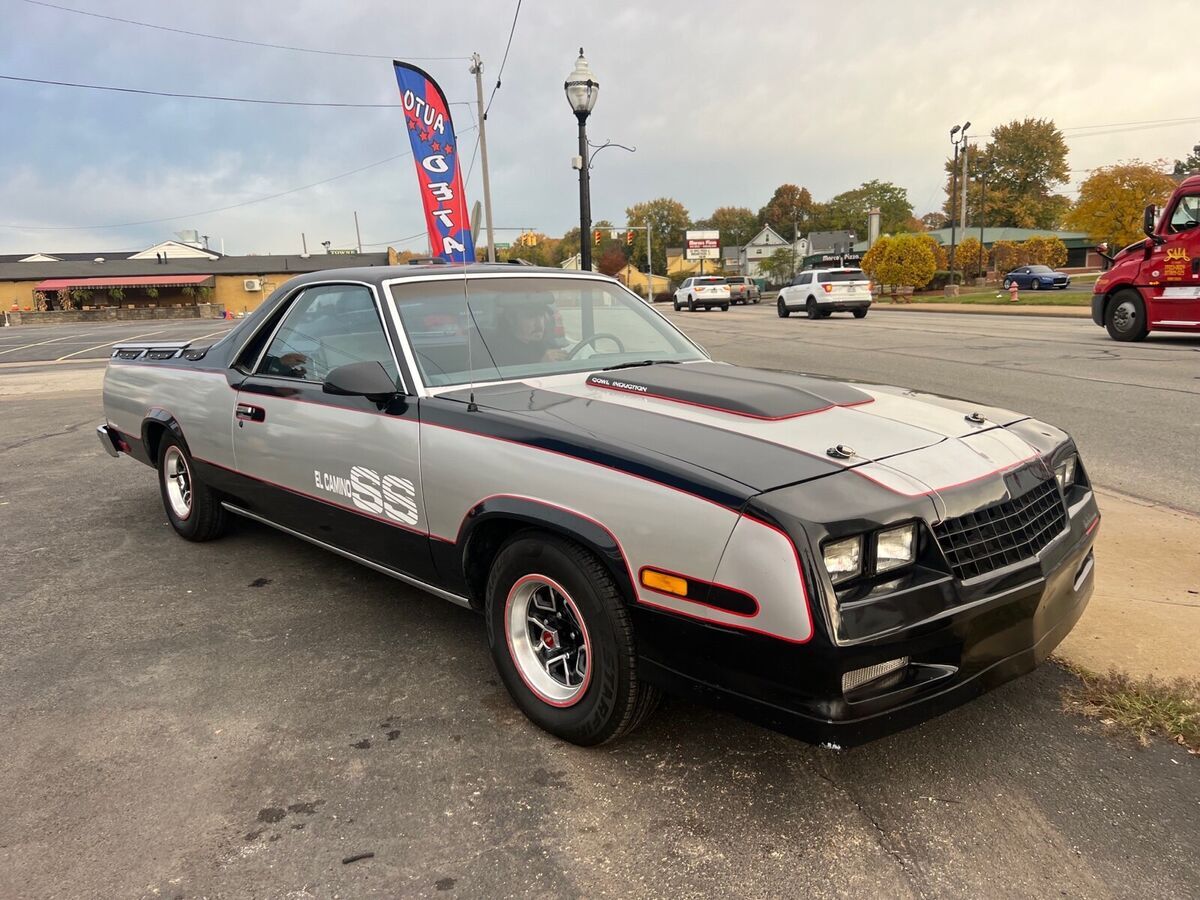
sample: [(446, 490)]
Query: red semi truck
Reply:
[(1154, 285)]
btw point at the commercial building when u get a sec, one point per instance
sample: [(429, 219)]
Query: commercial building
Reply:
[(170, 278)]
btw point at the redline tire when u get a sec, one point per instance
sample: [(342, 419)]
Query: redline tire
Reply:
[(612, 700), (191, 506)]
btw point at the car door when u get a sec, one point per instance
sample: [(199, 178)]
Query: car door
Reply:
[(343, 470), (1173, 269), (681, 294), (797, 293)]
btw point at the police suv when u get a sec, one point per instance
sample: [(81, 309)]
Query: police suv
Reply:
[(628, 516)]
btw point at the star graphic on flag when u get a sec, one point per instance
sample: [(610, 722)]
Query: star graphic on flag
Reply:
[(435, 146), (448, 149)]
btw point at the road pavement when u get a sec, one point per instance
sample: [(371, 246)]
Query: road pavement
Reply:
[(1134, 409), (72, 343)]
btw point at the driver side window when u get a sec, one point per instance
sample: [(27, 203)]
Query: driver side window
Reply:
[(328, 326)]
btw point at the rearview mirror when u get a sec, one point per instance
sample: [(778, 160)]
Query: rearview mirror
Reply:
[(360, 379)]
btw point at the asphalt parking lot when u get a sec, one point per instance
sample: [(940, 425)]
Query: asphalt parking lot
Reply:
[(78, 343), (236, 718)]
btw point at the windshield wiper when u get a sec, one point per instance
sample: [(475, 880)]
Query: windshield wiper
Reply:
[(642, 362)]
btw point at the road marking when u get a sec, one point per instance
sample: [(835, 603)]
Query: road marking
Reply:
[(110, 343), (39, 343), (212, 334)]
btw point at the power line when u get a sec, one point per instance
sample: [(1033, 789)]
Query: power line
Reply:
[(500, 72), (232, 40), (1122, 124), (257, 100)]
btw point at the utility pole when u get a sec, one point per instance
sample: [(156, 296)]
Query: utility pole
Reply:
[(477, 71), (357, 233), (303, 244), (649, 265), (963, 218)]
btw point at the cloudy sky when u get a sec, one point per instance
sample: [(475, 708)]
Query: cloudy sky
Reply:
[(723, 102)]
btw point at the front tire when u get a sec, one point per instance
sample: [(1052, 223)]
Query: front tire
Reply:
[(1125, 318), (1035, 285), (1007, 283), (562, 640), (781, 309), (191, 506)]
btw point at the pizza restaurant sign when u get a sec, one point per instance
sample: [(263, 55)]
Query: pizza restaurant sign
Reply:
[(702, 245)]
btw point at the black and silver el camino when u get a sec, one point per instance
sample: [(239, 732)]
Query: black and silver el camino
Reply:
[(834, 560)]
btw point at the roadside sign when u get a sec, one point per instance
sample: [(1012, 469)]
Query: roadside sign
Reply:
[(703, 245), (504, 246), (335, 252)]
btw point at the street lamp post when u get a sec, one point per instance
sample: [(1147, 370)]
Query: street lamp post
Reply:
[(958, 135), (582, 89)]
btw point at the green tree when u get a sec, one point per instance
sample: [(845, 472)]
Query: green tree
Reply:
[(790, 206), (1189, 165), (737, 225), (778, 267), (1023, 163), (1112, 198), (906, 261), (935, 220), (848, 210), (669, 220)]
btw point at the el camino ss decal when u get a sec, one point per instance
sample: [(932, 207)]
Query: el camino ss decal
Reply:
[(386, 495)]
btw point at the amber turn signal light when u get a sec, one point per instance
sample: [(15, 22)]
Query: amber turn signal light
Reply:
[(661, 581)]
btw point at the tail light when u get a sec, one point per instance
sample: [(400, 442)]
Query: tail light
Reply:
[(828, 288)]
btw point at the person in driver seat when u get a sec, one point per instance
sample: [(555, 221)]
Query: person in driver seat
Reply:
[(524, 332)]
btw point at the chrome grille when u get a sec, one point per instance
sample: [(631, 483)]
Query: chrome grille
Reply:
[(1004, 533)]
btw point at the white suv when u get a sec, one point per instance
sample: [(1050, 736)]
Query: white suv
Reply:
[(704, 291), (821, 292)]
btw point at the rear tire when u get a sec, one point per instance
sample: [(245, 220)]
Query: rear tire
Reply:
[(860, 313), (1125, 318), (191, 506), (781, 310), (724, 307), (1035, 284), (542, 585), (811, 308), (691, 304)]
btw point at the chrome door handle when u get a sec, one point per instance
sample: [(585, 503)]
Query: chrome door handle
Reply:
[(247, 413)]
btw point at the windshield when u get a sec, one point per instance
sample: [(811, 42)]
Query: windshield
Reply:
[(851, 275), (497, 329)]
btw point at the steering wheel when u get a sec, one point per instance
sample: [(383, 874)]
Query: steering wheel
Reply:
[(592, 340)]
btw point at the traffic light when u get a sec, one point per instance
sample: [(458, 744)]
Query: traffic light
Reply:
[(629, 239), (596, 237)]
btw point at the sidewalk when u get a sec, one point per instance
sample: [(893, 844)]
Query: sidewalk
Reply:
[(1144, 618), (1006, 309)]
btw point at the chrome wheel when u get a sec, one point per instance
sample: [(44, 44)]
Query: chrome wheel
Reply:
[(1124, 316), (548, 640), (177, 479)]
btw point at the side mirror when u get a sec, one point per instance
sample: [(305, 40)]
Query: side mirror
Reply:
[(1148, 218), (361, 379)]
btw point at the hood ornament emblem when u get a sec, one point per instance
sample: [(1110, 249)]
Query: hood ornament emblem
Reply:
[(841, 451), (975, 418)]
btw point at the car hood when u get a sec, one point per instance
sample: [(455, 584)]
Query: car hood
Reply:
[(768, 429)]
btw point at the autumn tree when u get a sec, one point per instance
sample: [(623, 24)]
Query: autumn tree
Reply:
[(874, 257), (971, 258), (790, 208), (1112, 198), (669, 220), (1006, 256), (737, 225), (906, 261), (1023, 164), (611, 261), (935, 220), (1043, 250), (941, 254)]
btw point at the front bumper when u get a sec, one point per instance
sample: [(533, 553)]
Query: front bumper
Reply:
[(1000, 629)]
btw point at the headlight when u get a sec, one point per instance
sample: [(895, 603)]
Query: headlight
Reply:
[(1065, 471), (895, 547), (843, 559)]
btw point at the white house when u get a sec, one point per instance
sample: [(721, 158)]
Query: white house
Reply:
[(762, 247)]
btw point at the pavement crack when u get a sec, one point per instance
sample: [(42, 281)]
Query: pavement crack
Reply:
[(906, 866), (41, 437)]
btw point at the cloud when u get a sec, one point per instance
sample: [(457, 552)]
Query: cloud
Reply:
[(722, 101)]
